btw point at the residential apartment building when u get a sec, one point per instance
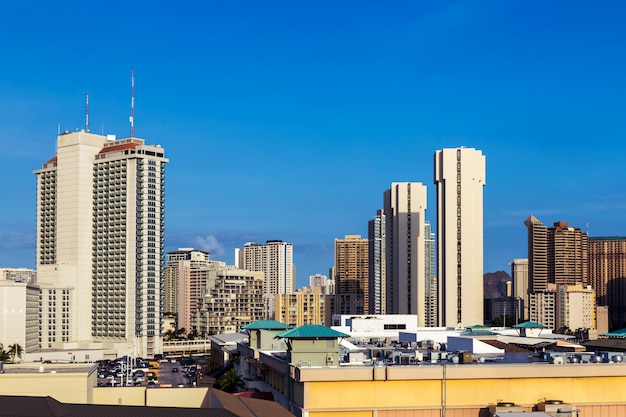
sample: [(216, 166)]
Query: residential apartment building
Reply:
[(318, 280), (186, 276), (305, 306), (543, 307), (100, 223), (561, 307), (275, 259), (576, 307), (404, 205), (26, 275), (460, 175), (19, 314), (351, 275), (377, 264), (556, 255), (232, 299), (607, 275)]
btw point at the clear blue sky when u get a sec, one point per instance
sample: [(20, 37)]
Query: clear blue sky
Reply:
[(288, 120)]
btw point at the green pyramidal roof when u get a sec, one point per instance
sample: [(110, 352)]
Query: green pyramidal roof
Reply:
[(529, 325), (267, 325), (477, 326), (311, 331)]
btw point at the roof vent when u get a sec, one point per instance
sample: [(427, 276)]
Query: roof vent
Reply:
[(555, 407), (505, 407)]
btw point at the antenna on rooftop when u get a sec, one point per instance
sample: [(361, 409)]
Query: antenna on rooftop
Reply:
[(132, 102), (87, 112)]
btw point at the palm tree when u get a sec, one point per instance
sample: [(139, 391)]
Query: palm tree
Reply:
[(15, 350), (4, 356), (230, 381)]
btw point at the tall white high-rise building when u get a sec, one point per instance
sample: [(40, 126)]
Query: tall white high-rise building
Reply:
[(460, 175), (432, 292), (377, 268), (100, 217), (406, 288), (275, 258)]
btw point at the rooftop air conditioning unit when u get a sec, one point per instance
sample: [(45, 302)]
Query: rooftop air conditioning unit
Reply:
[(505, 407), (555, 407), (558, 360)]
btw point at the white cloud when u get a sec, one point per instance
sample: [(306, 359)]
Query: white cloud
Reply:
[(211, 245)]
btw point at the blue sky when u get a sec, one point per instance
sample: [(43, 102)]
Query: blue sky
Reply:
[(288, 120)]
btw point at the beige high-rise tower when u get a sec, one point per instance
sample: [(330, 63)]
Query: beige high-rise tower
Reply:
[(460, 175), (407, 290), (100, 241), (275, 259)]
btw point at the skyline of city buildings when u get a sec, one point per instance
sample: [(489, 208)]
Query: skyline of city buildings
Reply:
[(100, 248), (460, 175)]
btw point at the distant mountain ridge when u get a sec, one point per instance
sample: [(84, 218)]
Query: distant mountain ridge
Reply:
[(494, 284)]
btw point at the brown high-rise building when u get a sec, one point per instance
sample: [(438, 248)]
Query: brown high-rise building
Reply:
[(607, 275), (556, 255), (351, 275)]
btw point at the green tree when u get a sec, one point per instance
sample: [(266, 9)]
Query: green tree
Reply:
[(230, 381), (501, 321), (565, 330), (15, 351), (4, 356)]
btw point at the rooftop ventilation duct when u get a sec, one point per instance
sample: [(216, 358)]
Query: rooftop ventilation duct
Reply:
[(555, 407), (505, 407)]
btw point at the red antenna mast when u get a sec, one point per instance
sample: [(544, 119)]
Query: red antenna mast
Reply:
[(132, 102), (87, 112)]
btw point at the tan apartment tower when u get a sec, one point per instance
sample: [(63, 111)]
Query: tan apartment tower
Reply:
[(351, 275), (607, 275), (404, 205), (556, 255), (460, 175), (100, 217)]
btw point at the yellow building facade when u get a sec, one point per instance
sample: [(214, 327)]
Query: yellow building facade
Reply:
[(457, 390)]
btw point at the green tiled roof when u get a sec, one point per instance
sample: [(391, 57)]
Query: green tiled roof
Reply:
[(615, 333), (528, 325), (311, 331), (477, 327), (267, 325)]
